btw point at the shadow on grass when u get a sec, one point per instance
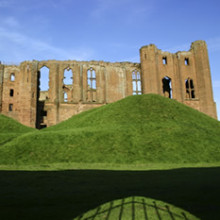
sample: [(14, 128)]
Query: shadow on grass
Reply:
[(136, 208), (68, 194)]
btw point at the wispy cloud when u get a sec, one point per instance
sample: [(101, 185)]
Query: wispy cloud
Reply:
[(129, 8), (10, 21), (102, 7), (17, 47)]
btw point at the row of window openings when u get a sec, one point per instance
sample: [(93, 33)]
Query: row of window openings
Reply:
[(136, 85), (68, 75), (91, 83), (186, 61), (67, 78), (167, 87), (189, 86)]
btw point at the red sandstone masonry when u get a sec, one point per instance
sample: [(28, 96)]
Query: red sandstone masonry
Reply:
[(184, 76)]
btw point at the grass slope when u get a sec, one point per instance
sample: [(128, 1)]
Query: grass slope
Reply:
[(136, 130), (10, 129)]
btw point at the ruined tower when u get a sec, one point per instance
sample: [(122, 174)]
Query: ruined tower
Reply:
[(75, 86), (183, 76)]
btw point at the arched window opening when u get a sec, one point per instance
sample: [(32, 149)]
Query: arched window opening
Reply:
[(44, 78), (136, 82), (167, 87), (65, 97), (42, 96), (190, 91), (91, 84), (68, 77), (12, 78)]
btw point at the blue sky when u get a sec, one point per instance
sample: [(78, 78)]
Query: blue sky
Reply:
[(109, 30)]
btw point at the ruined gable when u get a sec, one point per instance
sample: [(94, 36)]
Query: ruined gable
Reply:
[(74, 86)]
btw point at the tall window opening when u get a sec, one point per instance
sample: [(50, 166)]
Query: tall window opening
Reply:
[(68, 77), (190, 90), (167, 87), (136, 82), (12, 78), (11, 92), (42, 96), (186, 61), (91, 84), (44, 79), (164, 60)]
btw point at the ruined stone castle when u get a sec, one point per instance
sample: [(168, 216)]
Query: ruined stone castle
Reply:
[(76, 86)]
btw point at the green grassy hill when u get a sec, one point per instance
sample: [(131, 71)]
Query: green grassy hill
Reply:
[(10, 129), (136, 130)]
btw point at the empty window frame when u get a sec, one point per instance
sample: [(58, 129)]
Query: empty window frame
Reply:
[(187, 61), (167, 87), (11, 93), (44, 78), (12, 77), (68, 77), (136, 83), (190, 90), (91, 79), (10, 107), (91, 85), (164, 60)]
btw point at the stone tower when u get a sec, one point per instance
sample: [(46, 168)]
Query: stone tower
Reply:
[(184, 76), (75, 86)]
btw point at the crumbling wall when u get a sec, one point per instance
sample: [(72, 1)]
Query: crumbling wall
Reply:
[(78, 86), (112, 82), (188, 73), (10, 92)]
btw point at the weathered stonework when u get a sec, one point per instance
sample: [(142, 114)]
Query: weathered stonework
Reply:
[(184, 76)]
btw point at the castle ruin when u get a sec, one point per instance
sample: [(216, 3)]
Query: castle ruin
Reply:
[(76, 86)]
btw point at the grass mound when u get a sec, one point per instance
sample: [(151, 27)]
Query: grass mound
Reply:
[(136, 130), (10, 129)]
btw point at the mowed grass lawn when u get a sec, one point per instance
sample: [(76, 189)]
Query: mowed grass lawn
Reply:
[(136, 130), (87, 167), (71, 194)]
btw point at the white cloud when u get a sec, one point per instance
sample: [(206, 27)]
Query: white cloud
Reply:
[(133, 7), (10, 21), (17, 47)]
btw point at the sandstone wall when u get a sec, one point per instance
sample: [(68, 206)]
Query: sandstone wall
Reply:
[(184, 76), (191, 66)]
